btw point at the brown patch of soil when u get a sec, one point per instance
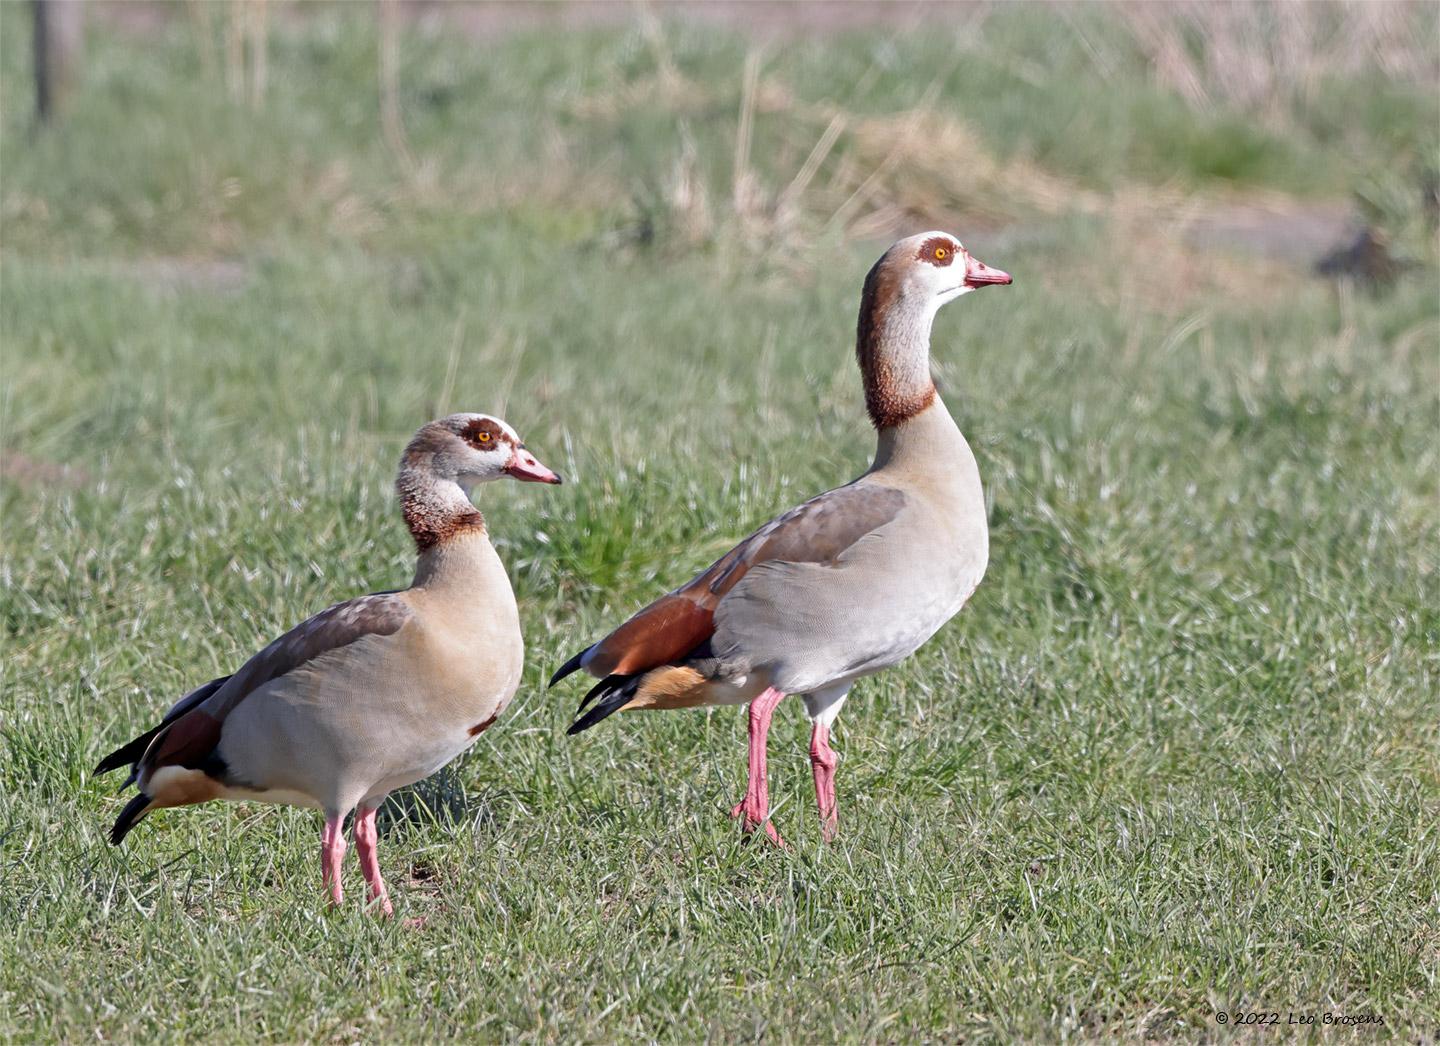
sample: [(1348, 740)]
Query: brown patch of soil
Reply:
[(33, 472)]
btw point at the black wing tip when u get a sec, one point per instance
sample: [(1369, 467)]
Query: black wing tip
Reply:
[(130, 753), (568, 667), (599, 712), (614, 693), (127, 754), (134, 810)]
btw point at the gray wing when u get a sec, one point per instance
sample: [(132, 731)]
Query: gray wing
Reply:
[(381, 614), (194, 731), (675, 625), (814, 620)]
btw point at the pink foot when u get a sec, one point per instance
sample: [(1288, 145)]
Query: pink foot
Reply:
[(366, 839), (332, 856), (755, 807), (754, 818), (822, 765)]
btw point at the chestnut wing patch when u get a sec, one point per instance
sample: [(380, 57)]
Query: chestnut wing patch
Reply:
[(819, 531)]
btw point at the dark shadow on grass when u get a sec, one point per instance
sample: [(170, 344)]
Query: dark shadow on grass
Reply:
[(438, 800)]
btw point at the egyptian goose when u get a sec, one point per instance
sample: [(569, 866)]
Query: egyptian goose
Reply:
[(850, 582), (372, 694)]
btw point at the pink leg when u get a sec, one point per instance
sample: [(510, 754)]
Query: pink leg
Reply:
[(822, 764), (332, 856), (365, 839), (755, 807)]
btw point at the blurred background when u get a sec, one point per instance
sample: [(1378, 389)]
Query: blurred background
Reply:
[(247, 247), (1268, 132)]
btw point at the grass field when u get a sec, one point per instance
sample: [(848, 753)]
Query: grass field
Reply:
[(1180, 754)]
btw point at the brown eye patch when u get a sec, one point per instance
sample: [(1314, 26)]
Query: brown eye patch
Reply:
[(484, 434), (938, 251)]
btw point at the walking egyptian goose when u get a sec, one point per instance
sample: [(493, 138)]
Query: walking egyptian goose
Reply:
[(850, 582), (372, 694)]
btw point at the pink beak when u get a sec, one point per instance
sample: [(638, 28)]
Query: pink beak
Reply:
[(525, 467), (978, 274)]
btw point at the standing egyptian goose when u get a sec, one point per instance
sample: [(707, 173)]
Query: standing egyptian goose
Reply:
[(850, 582), (372, 694)]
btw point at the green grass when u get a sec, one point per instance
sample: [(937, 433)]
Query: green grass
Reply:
[(1179, 754)]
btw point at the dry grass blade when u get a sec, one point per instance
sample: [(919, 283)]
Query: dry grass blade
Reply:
[(745, 186), (812, 163), (1262, 56), (392, 123)]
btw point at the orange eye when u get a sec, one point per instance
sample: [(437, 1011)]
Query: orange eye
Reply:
[(484, 437), (941, 253)]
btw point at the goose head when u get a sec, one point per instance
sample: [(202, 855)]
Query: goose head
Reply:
[(471, 449), (903, 292), (934, 268)]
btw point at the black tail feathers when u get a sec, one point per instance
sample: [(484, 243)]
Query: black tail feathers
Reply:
[(131, 753), (568, 667), (135, 809), (128, 754), (610, 695)]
